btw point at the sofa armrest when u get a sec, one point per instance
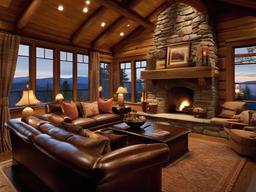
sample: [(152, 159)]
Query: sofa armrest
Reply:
[(57, 118), (132, 158)]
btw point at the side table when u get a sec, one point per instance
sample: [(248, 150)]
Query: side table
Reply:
[(121, 110)]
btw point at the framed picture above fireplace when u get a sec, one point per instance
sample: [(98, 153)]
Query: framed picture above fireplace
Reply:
[(178, 55)]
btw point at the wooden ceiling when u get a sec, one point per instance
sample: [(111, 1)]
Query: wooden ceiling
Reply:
[(40, 19)]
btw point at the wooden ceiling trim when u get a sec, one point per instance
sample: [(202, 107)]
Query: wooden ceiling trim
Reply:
[(119, 21), (28, 14), (5, 3), (243, 3), (139, 29), (78, 34), (198, 4), (7, 26), (117, 7)]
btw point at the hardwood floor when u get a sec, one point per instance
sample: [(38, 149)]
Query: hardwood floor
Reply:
[(245, 183)]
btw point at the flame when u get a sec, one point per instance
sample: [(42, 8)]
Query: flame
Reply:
[(184, 104)]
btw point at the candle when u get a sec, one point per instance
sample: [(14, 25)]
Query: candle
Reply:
[(205, 55)]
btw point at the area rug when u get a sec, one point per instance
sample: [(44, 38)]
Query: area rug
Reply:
[(209, 166), (5, 184)]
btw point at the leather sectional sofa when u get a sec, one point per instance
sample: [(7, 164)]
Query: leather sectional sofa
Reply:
[(54, 114), (66, 161)]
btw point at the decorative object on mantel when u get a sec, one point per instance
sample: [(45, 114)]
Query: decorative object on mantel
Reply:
[(199, 112), (178, 55), (199, 51), (160, 64), (205, 57)]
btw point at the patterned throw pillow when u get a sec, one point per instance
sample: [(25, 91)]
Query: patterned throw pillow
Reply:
[(105, 106), (90, 109), (70, 109)]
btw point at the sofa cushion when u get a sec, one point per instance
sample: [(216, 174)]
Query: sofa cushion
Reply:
[(105, 106), (106, 118), (84, 122), (227, 113), (60, 134), (71, 127), (100, 145), (34, 121), (70, 109), (90, 109)]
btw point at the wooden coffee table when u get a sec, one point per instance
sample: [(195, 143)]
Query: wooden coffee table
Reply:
[(152, 132)]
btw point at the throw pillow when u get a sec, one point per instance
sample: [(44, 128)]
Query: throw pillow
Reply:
[(105, 106), (70, 109), (90, 109), (237, 106)]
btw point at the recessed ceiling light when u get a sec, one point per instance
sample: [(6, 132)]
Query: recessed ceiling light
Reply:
[(122, 34), (103, 24), (128, 25), (88, 2), (60, 8), (85, 9)]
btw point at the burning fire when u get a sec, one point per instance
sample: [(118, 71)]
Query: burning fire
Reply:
[(184, 104)]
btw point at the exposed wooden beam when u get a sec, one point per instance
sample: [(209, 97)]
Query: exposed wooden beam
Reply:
[(117, 7), (5, 3), (108, 31), (78, 34), (242, 3), (7, 26), (28, 14), (139, 29), (119, 21)]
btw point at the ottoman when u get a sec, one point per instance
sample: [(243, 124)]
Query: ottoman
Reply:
[(243, 142)]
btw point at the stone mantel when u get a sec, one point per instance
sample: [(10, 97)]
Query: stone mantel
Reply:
[(180, 73)]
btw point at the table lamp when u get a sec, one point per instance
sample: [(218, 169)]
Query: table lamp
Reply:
[(59, 98), (28, 98), (120, 98)]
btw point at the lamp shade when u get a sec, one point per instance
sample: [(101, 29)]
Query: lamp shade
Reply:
[(122, 90), (59, 97), (28, 98)]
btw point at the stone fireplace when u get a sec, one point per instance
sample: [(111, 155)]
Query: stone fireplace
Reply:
[(181, 23)]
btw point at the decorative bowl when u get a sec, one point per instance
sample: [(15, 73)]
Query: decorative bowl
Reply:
[(136, 122)]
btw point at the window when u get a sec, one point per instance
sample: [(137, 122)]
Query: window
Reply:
[(44, 74), (21, 76), (139, 85), (245, 78), (82, 77), (104, 78), (125, 78), (66, 74)]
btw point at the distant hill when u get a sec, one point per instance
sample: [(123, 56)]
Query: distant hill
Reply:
[(19, 83), (248, 82)]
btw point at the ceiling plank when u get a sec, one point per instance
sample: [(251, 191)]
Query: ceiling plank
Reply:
[(119, 21), (139, 29), (5, 3), (28, 14), (117, 7), (243, 3), (78, 34)]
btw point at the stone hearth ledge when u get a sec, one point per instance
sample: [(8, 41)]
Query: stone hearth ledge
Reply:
[(199, 125)]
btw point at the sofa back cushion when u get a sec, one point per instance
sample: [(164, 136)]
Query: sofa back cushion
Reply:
[(231, 108), (70, 109), (105, 106), (53, 108), (90, 109)]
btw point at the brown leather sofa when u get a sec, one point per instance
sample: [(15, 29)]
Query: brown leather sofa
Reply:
[(65, 161), (54, 114)]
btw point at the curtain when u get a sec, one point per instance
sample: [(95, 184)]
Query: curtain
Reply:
[(9, 45), (95, 74)]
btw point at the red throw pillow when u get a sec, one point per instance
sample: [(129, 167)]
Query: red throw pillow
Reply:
[(105, 106), (70, 109)]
